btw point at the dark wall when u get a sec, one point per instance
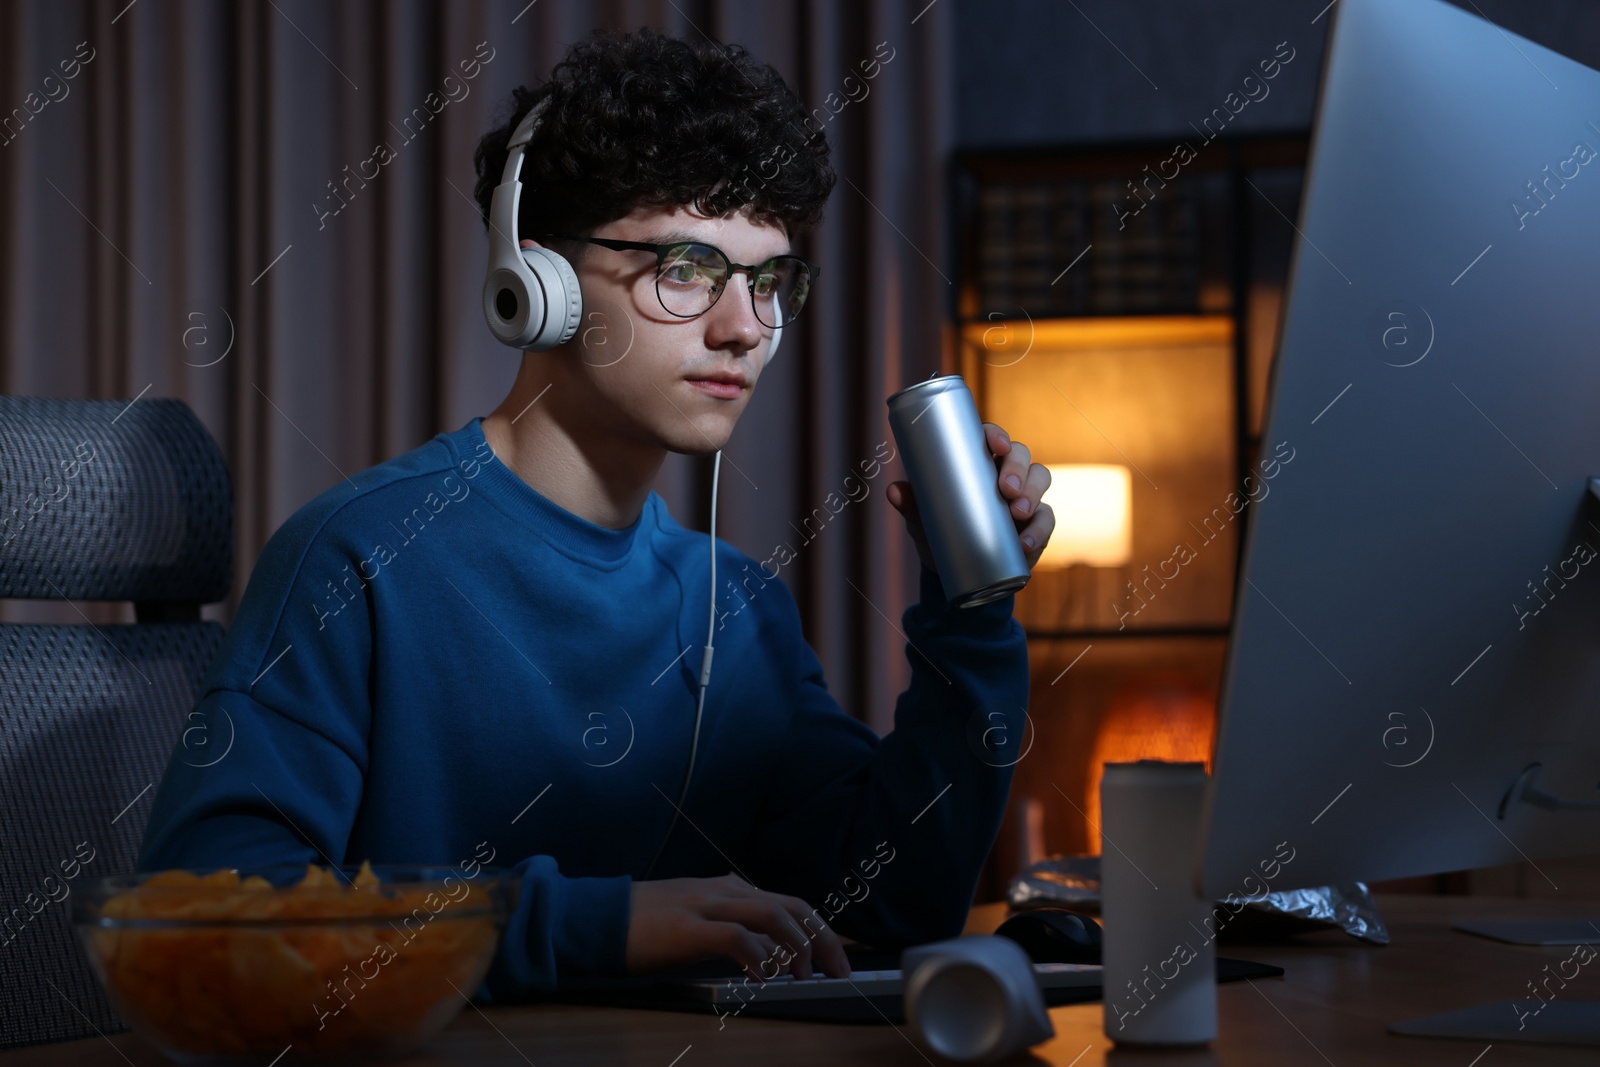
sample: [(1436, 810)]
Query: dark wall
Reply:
[(1061, 71)]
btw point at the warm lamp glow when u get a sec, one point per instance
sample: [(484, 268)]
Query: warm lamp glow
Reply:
[(1159, 722), (1093, 506)]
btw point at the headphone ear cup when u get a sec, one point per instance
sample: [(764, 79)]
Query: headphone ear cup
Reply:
[(556, 308), (508, 301)]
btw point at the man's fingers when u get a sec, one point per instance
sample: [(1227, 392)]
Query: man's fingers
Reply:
[(1039, 530), (791, 937), (904, 501), (908, 507), (827, 949), (790, 911), (1014, 468), (1033, 487), (739, 944), (769, 934), (762, 914), (769, 956), (803, 940)]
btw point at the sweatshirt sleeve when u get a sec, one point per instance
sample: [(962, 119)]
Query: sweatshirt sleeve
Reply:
[(886, 839), (286, 794), (271, 765)]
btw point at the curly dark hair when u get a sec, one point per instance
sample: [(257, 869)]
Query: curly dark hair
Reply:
[(640, 119)]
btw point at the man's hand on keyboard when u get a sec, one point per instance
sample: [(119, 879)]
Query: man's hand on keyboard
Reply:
[(684, 920)]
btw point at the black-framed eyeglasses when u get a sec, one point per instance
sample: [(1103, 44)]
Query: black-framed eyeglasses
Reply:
[(691, 275)]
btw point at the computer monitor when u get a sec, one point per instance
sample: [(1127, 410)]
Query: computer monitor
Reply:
[(1417, 620)]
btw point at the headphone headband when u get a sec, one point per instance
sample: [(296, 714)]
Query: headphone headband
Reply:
[(531, 297), (520, 138)]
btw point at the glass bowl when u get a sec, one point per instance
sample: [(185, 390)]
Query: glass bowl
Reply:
[(235, 966)]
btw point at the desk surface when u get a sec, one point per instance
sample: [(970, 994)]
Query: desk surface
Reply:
[(1332, 1007)]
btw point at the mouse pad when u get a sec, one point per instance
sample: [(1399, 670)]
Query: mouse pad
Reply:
[(885, 1008)]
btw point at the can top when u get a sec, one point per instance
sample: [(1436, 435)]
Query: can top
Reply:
[(1147, 773), (939, 383)]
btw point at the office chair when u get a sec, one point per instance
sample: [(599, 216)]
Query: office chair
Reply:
[(99, 500)]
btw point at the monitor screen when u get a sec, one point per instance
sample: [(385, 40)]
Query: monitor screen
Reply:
[(1417, 620)]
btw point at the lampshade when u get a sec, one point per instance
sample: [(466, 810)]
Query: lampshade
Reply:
[(1093, 506)]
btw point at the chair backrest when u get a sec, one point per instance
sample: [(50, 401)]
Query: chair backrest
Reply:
[(99, 500)]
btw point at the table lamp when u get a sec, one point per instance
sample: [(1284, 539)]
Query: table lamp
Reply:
[(1093, 510)]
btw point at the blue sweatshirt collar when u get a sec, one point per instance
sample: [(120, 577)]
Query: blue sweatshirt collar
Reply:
[(570, 534)]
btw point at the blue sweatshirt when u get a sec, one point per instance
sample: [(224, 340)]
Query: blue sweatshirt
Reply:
[(435, 664)]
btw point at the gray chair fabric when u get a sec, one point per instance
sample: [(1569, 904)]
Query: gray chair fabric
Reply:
[(112, 500), (90, 715)]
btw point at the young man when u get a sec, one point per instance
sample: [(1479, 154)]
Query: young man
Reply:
[(487, 649)]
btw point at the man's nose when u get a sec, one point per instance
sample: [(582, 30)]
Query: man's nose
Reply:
[(736, 306)]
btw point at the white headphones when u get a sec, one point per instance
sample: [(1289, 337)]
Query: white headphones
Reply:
[(530, 295)]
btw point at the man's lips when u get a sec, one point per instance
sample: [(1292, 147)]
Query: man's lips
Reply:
[(724, 385), (725, 377)]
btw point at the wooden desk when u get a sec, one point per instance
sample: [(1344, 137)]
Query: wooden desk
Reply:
[(1332, 1007)]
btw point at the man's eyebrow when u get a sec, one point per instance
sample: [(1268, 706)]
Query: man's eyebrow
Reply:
[(673, 237)]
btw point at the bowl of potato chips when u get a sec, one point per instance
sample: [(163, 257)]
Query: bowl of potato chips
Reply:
[(337, 964)]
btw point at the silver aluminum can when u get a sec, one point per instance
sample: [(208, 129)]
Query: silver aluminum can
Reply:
[(968, 523)]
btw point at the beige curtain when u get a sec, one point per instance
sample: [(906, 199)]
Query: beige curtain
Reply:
[(167, 229)]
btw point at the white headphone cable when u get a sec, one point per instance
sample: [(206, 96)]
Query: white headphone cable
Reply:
[(705, 671)]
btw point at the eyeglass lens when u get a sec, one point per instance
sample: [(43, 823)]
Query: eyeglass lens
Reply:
[(692, 276)]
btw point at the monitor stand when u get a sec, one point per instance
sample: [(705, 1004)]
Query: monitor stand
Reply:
[(1535, 931), (1553, 1022), (1537, 1020)]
